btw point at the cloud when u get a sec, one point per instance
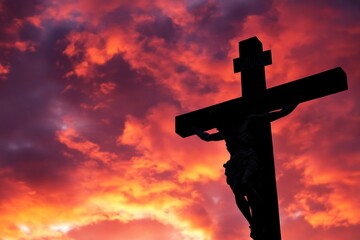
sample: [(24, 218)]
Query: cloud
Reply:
[(4, 70), (323, 153), (115, 230), (72, 140), (88, 96)]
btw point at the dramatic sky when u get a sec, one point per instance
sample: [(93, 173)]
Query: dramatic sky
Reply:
[(88, 94)]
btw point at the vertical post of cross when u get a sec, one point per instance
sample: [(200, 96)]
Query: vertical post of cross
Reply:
[(253, 75), (251, 65)]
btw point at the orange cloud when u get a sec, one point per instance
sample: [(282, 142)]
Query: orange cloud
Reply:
[(335, 207), (72, 140), (155, 138), (147, 186), (122, 165), (21, 46), (123, 191), (107, 88), (4, 70)]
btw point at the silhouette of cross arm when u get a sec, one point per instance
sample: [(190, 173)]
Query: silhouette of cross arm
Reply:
[(302, 90)]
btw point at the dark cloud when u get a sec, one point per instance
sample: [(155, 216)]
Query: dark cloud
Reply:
[(334, 4), (133, 94), (29, 100), (13, 19), (212, 13), (161, 27), (192, 83), (241, 9), (41, 167), (21, 9), (42, 99), (217, 22), (29, 32), (121, 16)]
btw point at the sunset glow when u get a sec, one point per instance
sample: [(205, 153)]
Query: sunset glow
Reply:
[(89, 91)]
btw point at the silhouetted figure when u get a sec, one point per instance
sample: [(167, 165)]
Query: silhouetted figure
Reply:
[(243, 170), (257, 147)]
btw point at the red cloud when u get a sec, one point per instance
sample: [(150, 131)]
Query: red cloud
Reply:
[(122, 71)]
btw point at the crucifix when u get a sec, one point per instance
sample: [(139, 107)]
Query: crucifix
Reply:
[(256, 98)]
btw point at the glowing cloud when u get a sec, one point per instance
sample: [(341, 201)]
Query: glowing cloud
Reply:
[(89, 91)]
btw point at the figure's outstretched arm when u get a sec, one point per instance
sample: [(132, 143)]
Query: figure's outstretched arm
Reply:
[(208, 136), (272, 116)]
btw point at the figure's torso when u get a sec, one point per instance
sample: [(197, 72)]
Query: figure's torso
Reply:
[(238, 139)]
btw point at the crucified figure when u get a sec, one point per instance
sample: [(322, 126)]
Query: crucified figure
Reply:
[(243, 170)]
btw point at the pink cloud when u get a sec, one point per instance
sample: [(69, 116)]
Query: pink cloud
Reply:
[(92, 88), (4, 70)]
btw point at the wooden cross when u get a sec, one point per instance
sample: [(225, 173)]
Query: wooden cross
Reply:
[(256, 96)]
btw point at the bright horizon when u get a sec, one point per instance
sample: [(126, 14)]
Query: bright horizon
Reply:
[(89, 91)]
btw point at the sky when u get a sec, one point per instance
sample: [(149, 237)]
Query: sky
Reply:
[(89, 91)]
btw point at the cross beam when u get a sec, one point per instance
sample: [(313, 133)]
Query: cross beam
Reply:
[(304, 89), (257, 98)]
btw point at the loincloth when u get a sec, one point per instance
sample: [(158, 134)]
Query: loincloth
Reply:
[(242, 171)]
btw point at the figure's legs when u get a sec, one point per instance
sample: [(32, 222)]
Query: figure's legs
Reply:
[(251, 183), (250, 207), (243, 206), (255, 203)]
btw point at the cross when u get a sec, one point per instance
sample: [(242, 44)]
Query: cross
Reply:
[(255, 95)]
